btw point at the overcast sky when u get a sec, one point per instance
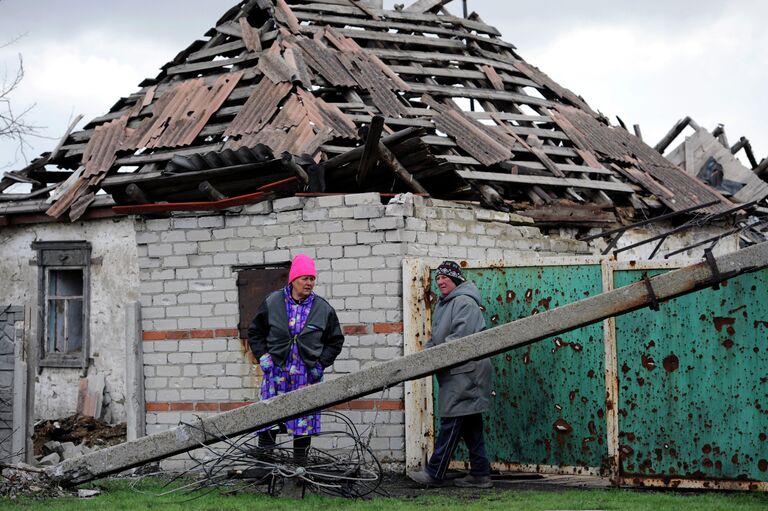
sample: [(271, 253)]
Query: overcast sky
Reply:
[(651, 62)]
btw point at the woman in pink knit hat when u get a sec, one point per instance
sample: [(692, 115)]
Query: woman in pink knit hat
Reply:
[(295, 336)]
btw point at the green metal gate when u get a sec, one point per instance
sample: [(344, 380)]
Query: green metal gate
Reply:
[(693, 383), (690, 381)]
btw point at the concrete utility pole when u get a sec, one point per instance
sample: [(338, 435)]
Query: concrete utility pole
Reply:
[(490, 342)]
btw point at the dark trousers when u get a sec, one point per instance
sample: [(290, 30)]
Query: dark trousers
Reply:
[(301, 444), (452, 429)]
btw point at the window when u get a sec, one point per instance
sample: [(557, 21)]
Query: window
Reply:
[(253, 285), (63, 292)]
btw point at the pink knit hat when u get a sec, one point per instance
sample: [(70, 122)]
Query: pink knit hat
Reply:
[(302, 265)]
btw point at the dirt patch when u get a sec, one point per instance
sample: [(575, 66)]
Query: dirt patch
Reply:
[(78, 429), (401, 486)]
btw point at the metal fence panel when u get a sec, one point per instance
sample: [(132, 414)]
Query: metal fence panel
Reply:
[(549, 404), (693, 383)]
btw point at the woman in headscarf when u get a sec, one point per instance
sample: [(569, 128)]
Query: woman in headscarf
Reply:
[(295, 336), (465, 390)]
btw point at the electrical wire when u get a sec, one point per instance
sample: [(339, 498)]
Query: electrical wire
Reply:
[(347, 468)]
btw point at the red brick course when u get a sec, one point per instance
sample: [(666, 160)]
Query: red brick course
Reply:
[(176, 335), (388, 328), (355, 329), (223, 406)]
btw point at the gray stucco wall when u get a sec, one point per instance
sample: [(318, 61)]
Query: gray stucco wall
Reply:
[(114, 282)]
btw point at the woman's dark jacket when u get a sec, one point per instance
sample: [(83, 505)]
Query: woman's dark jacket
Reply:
[(319, 341)]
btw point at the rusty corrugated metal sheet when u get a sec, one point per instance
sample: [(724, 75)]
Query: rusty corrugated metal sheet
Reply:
[(182, 112), (275, 67), (284, 14), (259, 108), (294, 57), (297, 139), (98, 158), (381, 88), (325, 61), (541, 78), (347, 45), (327, 115), (100, 152), (290, 115), (372, 75), (251, 36), (484, 145), (493, 77), (674, 187)]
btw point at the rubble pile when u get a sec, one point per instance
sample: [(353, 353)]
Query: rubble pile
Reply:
[(61, 439), (25, 481)]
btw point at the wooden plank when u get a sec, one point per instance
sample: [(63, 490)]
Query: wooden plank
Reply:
[(451, 72), (449, 58), (214, 51), (476, 93), (423, 6), (555, 213), (435, 140), (213, 64), (402, 16), (370, 35), (546, 181), (370, 150), (425, 123), (400, 171), (420, 27)]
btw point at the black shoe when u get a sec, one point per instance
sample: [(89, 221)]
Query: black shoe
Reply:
[(422, 477), (471, 481)]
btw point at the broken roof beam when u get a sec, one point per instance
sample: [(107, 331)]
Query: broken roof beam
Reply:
[(295, 168), (367, 381), (743, 143), (611, 186), (210, 191), (468, 24), (355, 153), (138, 196), (674, 132), (400, 171), (424, 6), (370, 150), (762, 169)]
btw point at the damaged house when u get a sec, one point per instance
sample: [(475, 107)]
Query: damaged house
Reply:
[(379, 143)]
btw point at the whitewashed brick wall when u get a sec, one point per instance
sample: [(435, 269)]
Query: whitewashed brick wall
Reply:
[(195, 364)]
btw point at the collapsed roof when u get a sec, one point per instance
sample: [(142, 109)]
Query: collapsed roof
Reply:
[(710, 158), (287, 96)]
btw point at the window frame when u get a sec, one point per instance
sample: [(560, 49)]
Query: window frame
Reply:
[(63, 255)]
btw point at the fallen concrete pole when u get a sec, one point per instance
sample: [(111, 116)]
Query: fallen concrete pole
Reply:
[(490, 342)]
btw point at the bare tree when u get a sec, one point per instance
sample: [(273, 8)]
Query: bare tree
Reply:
[(13, 124)]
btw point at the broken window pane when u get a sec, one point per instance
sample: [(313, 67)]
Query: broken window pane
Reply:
[(65, 283), (56, 326), (74, 325)]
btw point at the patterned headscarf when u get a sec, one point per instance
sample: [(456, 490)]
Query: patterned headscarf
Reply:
[(452, 270)]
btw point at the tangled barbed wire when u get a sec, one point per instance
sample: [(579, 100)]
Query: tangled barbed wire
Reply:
[(348, 468)]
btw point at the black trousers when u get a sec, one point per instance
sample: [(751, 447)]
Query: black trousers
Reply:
[(301, 444), (452, 429)]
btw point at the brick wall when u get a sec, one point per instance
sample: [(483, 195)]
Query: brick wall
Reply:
[(195, 364)]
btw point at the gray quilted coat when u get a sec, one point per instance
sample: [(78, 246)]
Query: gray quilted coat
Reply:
[(465, 389)]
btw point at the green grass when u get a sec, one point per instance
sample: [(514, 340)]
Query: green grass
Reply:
[(119, 496)]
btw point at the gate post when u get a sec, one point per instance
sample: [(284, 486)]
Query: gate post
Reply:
[(611, 381), (419, 422), (25, 353)]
